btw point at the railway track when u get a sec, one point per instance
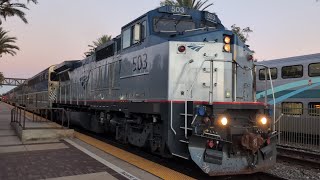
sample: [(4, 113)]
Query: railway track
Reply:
[(180, 165), (301, 157)]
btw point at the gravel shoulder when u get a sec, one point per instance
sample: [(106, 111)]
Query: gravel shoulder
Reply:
[(290, 171)]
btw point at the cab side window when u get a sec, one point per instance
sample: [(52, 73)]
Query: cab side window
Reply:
[(143, 30), (134, 34), (126, 38)]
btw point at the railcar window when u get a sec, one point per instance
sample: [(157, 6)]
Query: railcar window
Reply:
[(292, 108), (126, 38), (172, 25), (53, 76), (314, 109), (295, 71), (314, 69), (274, 74)]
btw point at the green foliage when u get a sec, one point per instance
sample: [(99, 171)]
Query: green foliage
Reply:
[(194, 4), (9, 8), (243, 34), (6, 43), (100, 41)]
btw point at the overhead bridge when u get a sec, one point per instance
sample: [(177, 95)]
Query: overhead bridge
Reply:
[(12, 81)]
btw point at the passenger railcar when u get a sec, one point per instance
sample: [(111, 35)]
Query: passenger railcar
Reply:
[(296, 83), (37, 92), (177, 82)]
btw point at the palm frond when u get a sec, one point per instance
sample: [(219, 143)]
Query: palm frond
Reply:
[(7, 43), (100, 41), (9, 9), (193, 4), (167, 3)]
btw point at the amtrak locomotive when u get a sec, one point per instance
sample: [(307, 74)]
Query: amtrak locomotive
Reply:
[(175, 81)]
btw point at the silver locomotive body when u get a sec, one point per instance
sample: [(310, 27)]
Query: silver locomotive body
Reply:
[(177, 82)]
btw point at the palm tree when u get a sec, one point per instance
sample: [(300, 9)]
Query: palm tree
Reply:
[(8, 8), (193, 4), (6, 46), (100, 41)]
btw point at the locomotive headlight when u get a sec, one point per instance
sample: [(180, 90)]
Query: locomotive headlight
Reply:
[(227, 39), (227, 47), (263, 120), (224, 121)]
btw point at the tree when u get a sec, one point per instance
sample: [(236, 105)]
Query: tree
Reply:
[(9, 8), (243, 34), (100, 41), (6, 43), (193, 4)]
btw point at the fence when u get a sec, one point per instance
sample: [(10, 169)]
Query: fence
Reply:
[(299, 128), (24, 116)]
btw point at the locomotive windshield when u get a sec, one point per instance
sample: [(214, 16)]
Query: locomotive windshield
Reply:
[(175, 25)]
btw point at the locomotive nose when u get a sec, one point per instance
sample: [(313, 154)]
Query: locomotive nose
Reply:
[(254, 157)]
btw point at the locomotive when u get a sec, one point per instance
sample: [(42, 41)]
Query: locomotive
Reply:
[(175, 81)]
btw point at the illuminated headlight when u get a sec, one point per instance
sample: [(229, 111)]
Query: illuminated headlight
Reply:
[(227, 39), (227, 47), (224, 121), (264, 120)]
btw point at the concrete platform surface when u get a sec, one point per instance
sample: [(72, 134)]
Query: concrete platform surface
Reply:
[(43, 164), (67, 159)]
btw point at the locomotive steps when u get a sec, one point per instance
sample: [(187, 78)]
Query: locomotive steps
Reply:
[(32, 128)]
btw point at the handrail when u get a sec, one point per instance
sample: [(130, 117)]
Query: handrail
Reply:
[(272, 90), (18, 115), (171, 104), (188, 93)]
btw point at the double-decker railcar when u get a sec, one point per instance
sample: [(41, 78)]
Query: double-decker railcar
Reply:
[(36, 92), (296, 82), (179, 83)]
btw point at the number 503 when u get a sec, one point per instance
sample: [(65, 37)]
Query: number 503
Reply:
[(140, 62)]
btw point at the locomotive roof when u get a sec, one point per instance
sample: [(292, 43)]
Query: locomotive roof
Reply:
[(167, 9), (66, 65)]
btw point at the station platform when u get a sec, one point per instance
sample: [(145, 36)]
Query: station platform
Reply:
[(80, 158)]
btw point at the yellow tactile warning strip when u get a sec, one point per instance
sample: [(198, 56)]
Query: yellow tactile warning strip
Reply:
[(149, 166)]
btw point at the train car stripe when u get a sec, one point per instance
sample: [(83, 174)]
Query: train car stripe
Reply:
[(284, 97), (288, 86)]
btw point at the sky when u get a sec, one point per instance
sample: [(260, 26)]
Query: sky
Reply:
[(62, 30)]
